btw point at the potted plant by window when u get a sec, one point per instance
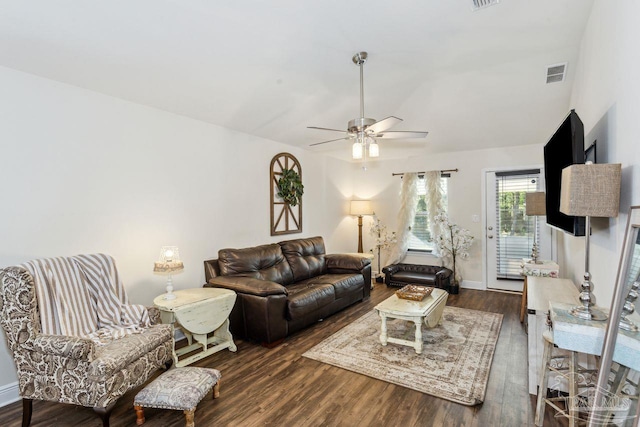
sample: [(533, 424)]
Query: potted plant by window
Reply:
[(454, 243)]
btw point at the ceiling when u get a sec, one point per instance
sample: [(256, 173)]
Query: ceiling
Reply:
[(473, 79)]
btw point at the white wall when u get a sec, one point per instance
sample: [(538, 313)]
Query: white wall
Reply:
[(606, 96), (464, 190), (83, 172)]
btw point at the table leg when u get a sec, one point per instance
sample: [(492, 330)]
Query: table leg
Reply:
[(418, 342), (383, 329), (225, 335), (523, 301)]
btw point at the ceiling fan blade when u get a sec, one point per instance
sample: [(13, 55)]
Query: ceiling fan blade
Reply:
[(318, 128), (401, 134), (331, 140), (384, 124)]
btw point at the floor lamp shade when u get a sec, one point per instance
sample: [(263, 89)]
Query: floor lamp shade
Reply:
[(359, 208)]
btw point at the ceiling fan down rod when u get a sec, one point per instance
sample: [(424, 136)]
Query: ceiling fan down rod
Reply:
[(359, 59)]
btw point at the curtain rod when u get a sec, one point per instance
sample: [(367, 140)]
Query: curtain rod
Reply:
[(423, 172)]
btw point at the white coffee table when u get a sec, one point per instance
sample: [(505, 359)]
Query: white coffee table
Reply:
[(429, 311)]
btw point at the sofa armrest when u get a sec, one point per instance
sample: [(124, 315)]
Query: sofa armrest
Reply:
[(443, 278), (346, 262), (247, 285), (59, 345), (391, 269)]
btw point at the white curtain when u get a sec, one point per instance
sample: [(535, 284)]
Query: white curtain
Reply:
[(406, 215), (435, 205)]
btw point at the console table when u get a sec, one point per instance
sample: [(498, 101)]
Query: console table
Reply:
[(541, 291), (202, 314)]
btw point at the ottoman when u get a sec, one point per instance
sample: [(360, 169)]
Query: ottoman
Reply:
[(179, 389)]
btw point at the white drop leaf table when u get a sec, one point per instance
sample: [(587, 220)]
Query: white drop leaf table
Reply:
[(202, 314)]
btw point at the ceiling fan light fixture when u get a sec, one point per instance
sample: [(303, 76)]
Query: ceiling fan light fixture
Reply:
[(374, 149), (356, 151)]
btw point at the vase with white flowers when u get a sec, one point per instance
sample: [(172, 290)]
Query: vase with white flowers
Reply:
[(383, 241), (454, 243)]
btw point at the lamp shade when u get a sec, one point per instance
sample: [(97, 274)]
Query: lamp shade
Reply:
[(591, 190), (361, 207), (536, 203), (169, 260)]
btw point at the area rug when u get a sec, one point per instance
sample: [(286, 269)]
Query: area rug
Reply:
[(454, 363)]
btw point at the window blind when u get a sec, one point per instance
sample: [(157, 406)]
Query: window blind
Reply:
[(514, 229)]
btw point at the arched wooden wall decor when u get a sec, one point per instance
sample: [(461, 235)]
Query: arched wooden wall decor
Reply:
[(285, 218)]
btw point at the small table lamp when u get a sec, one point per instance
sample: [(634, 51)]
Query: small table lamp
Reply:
[(169, 262), (535, 206), (360, 208), (590, 190)]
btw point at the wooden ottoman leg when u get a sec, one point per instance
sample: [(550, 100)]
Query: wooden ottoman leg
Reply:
[(188, 416), (139, 415), (216, 390)]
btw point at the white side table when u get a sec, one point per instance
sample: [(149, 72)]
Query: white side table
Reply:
[(202, 314)]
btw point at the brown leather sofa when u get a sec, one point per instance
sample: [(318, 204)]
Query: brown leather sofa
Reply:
[(425, 275), (286, 286)]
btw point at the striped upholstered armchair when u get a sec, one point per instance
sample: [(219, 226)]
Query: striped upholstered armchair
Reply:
[(59, 359)]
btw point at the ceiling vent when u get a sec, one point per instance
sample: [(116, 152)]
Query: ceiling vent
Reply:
[(481, 4), (556, 72)]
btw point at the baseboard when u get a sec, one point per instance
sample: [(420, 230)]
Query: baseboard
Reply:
[(9, 393), (470, 284)]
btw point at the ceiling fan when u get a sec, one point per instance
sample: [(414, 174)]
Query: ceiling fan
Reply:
[(365, 130)]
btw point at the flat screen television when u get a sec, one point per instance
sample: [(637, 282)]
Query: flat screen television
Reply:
[(566, 147)]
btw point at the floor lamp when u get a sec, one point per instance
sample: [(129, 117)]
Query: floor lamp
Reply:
[(590, 190), (535, 206), (360, 208)]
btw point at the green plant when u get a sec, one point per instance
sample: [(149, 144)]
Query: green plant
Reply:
[(290, 188)]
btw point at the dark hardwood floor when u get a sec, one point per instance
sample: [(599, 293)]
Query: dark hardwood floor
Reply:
[(279, 387)]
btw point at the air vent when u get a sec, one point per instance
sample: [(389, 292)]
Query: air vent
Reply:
[(556, 72), (481, 4)]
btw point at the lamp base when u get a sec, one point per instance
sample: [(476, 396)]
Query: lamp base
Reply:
[(169, 296), (627, 325), (581, 312)]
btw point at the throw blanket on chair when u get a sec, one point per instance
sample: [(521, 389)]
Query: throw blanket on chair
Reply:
[(83, 296)]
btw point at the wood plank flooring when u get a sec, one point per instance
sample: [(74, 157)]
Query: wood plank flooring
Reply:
[(279, 387)]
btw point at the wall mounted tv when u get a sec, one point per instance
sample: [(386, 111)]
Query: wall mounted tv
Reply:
[(566, 147)]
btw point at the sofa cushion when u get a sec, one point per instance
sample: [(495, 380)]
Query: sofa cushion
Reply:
[(414, 277), (306, 257), (307, 298), (112, 357), (265, 262), (343, 284)]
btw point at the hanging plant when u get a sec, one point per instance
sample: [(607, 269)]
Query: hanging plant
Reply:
[(290, 188)]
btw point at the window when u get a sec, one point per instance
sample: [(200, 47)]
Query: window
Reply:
[(420, 239)]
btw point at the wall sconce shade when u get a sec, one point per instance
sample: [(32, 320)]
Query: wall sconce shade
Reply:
[(591, 190), (535, 203), (361, 207)]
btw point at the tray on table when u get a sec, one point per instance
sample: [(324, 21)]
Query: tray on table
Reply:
[(414, 292)]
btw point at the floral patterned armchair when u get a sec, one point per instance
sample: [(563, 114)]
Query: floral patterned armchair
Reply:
[(70, 369)]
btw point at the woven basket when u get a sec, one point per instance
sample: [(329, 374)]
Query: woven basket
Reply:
[(414, 293)]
